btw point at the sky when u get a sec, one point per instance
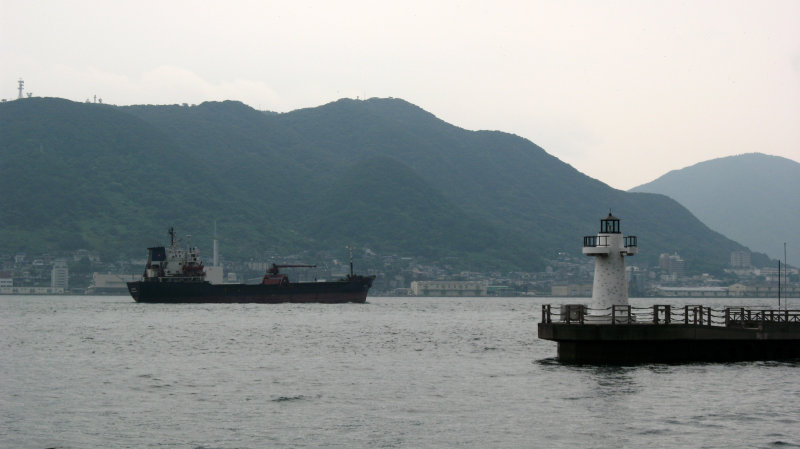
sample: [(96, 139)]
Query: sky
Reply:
[(624, 91)]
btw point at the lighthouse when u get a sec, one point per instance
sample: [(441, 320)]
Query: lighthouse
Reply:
[(609, 332), (609, 249)]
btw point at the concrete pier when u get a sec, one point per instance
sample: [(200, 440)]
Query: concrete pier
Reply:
[(692, 333), (611, 331)]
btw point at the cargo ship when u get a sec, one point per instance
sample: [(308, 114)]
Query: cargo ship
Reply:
[(176, 275)]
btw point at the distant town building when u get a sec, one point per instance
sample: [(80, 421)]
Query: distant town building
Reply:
[(449, 288), (6, 280), (672, 264), (59, 277), (740, 259)]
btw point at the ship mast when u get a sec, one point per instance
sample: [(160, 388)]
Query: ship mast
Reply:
[(350, 247)]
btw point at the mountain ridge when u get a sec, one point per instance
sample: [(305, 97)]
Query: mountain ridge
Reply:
[(735, 194), (266, 179)]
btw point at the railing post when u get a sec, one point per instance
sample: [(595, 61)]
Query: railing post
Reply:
[(667, 314), (727, 316), (685, 314), (581, 313), (742, 316), (629, 314), (708, 322), (655, 314)]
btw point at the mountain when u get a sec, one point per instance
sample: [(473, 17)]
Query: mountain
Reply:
[(752, 198), (381, 174)]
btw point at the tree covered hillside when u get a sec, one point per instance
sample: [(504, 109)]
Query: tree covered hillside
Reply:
[(381, 173)]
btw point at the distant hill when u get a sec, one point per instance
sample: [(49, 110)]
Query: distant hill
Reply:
[(381, 174), (752, 198)]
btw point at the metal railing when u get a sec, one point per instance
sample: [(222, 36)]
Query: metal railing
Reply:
[(591, 241), (661, 314)]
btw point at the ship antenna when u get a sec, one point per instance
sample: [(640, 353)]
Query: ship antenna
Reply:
[(171, 236)]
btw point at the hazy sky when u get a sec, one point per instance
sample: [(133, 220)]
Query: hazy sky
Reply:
[(624, 91)]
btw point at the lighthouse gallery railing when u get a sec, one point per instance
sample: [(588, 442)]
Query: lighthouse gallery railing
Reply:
[(591, 241)]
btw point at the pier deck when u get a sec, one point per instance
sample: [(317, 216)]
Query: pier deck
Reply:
[(624, 334)]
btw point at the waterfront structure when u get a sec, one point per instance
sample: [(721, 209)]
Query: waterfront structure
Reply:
[(449, 288)]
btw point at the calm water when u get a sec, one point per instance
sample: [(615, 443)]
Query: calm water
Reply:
[(90, 372)]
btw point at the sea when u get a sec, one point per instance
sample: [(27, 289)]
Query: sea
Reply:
[(396, 372)]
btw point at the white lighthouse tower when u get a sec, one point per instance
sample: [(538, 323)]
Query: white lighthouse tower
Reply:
[(609, 249)]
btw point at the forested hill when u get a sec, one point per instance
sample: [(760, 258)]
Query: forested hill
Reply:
[(381, 174)]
